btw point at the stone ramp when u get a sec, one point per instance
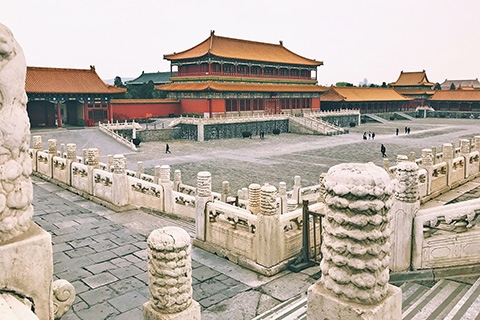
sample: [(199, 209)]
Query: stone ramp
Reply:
[(447, 299), (295, 308), (376, 118), (404, 115), (437, 302)]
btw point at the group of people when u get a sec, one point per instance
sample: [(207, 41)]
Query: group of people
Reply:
[(371, 135)]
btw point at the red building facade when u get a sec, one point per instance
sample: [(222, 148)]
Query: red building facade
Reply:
[(223, 75)]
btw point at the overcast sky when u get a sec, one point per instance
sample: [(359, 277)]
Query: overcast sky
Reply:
[(372, 39)]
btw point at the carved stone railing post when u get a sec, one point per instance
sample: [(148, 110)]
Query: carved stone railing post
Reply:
[(93, 158), (447, 156), (26, 266), (356, 248), (254, 198), (427, 164), (167, 184), (321, 190), (269, 240), (465, 152), (170, 276), (140, 170), (476, 143), (401, 158), (225, 191), (37, 146), (204, 195), (434, 155), (412, 157), (405, 206), (109, 163), (85, 156), (70, 156), (52, 147), (62, 150), (296, 189), (177, 179), (120, 187), (157, 174), (282, 193)]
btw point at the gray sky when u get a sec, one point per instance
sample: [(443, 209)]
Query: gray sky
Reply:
[(373, 39)]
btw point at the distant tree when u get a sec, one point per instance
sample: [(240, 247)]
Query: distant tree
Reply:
[(384, 84), (437, 86), (118, 82), (344, 84), (452, 86)]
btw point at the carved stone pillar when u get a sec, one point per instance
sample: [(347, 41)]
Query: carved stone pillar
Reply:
[(225, 191), (465, 152), (177, 179), (52, 147), (269, 240), (109, 162), (37, 146), (204, 195), (296, 189), (167, 184), (282, 193), (157, 174), (72, 152), (356, 248), (405, 206), (427, 164), (139, 169), (85, 156), (254, 198), (401, 158), (26, 266), (62, 150), (321, 189), (447, 156), (120, 184), (434, 155), (93, 158), (170, 276), (412, 157), (476, 142)]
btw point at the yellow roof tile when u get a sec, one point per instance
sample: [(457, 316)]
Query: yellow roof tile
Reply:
[(238, 87), (355, 94)]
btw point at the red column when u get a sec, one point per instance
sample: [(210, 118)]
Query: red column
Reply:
[(209, 68), (110, 111), (59, 115)]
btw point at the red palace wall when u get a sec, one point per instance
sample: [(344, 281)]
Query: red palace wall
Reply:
[(201, 106), (142, 109), (315, 103)]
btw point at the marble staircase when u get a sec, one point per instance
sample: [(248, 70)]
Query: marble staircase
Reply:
[(447, 299)]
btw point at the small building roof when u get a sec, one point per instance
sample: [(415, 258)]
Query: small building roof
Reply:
[(62, 80), (155, 77), (239, 87), (416, 78), (468, 83), (242, 50), (356, 94), (456, 95)]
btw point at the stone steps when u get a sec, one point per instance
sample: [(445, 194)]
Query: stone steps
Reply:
[(447, 299)]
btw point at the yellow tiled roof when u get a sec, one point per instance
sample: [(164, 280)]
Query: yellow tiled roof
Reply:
[(456, 95), (355, 94), (415, 78), (61, 80), (243, 50), (238, 87)]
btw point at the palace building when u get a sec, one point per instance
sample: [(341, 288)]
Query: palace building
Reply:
[(222, 76), (414, 85), (59, 96)]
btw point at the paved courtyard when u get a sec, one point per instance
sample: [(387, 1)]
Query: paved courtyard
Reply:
[(103, 253)]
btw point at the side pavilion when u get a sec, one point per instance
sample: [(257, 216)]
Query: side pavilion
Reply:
[(74, 96)]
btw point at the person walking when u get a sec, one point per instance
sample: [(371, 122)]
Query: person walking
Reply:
[(167, 149), (396, 132), (373, 135), (383, 150)]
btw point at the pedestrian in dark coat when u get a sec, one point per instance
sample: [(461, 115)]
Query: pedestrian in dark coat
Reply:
[(383, 150), (167, 148)]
